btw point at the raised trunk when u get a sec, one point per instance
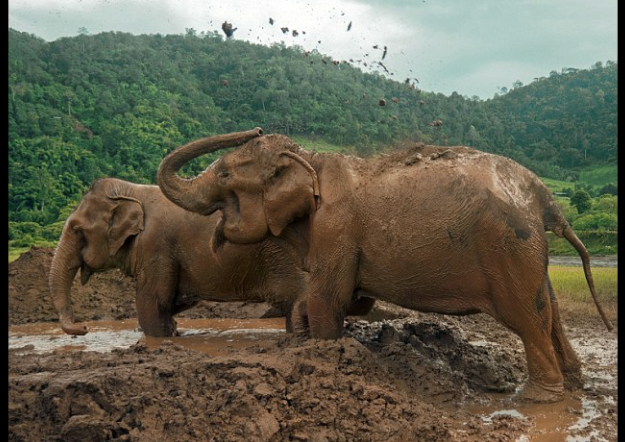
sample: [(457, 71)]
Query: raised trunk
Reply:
[(64, 266), (193, 194)]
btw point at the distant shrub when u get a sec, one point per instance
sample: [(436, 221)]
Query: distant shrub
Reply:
[(23, 241), (581, 200), (609, 189), (20, 229), (598, 222), (53, 231), (605, 203)]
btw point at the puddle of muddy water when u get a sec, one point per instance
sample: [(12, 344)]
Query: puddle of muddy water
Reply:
[(212, 336), (575, 261), (565, 421)]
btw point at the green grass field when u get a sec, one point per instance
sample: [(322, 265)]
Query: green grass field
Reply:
[(15, 253), (569, 284), (556, 185), (569, 281), (321, 145), (600, 175)]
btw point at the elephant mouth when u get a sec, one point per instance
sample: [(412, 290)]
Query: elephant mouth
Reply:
[(85, 273), (214, 208)]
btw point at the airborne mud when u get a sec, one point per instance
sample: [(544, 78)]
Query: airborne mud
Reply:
[(396, 376)]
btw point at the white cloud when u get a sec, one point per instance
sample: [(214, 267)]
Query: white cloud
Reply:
[(450, 45)]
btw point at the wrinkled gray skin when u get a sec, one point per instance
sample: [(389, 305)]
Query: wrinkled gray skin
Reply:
[(136, 229), (434, 229)]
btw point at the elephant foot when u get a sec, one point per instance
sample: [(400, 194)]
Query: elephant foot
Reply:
[(535, 393), (74, 329), (160, 330), (142, 342)]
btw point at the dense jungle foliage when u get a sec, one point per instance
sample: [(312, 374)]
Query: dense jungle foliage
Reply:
[(114, 104)]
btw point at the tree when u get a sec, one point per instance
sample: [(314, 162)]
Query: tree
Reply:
[(581, 201), (609, 189)]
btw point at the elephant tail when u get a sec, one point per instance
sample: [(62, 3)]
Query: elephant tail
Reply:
[(568, 233)]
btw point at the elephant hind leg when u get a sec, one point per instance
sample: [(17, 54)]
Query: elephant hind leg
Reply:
[(297, 319), (570, 364), (531, 319)]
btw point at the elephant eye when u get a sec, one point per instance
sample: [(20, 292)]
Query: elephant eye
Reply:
[(223, 174), (277, 172)]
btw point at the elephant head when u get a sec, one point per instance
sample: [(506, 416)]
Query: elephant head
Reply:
[(93, 239), (260, 188)]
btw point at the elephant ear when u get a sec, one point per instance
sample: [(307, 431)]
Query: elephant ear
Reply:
[(291, 191), (127, 220)]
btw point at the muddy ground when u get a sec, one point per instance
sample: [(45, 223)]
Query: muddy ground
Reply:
[(396, 376)]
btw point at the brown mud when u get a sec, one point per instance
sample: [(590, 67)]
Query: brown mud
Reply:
[(396, 376)]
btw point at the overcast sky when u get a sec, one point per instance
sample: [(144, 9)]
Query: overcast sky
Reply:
[(473, 47)]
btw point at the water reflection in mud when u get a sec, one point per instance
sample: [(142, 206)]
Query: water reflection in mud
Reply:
[(220, 336), (565, 421), (575, 261), (211, 336)]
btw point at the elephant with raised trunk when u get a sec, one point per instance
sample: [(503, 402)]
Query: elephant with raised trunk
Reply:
[(434, 229), (134, 228)]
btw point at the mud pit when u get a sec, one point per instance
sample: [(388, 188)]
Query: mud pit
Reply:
[(396, 376)]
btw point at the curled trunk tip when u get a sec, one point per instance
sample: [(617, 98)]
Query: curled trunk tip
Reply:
[(186, 192)]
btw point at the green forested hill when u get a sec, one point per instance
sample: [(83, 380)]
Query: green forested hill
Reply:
[(568, 119), (115, 104)]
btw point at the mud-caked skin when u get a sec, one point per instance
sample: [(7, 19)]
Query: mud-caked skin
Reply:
[(168, 250), (435, 229)]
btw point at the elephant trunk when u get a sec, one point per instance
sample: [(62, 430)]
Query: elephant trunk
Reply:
[(194, 194), (64, 266)]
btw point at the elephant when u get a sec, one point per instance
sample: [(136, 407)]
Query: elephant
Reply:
[(450, 230), (119, 224)]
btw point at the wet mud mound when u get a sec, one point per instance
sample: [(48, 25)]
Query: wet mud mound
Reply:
[(359, 388), (460, 368), (108, 295), (397, 376)]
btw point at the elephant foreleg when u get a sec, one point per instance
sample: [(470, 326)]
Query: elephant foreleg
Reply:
[(324, 320), (155, 307), (297, 318), (331, 292)]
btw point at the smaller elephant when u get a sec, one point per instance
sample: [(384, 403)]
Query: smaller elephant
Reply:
[(136, 229)]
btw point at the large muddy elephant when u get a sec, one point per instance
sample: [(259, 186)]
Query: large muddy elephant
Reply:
[(446, 230), (136, 229)]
